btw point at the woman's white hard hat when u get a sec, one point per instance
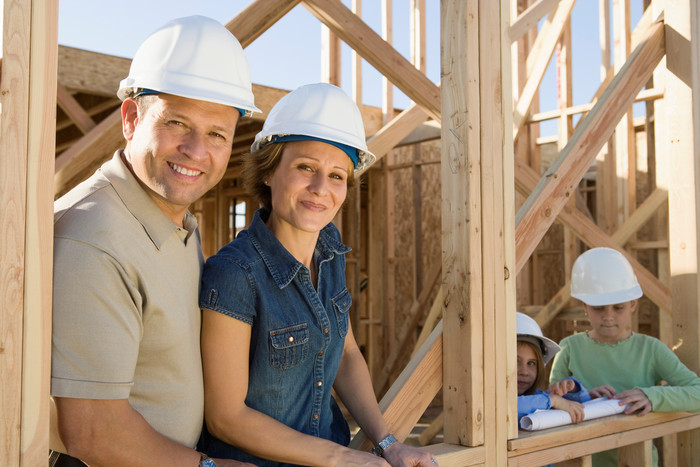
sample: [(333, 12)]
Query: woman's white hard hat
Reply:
[(603, 276), (194, 57), (320, 111), (529, 331)]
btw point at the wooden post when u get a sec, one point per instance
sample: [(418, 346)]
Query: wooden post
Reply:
[(682, 139), (463, 359), (27, 126)]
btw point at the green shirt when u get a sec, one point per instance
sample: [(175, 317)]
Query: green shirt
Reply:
[(641, 362)]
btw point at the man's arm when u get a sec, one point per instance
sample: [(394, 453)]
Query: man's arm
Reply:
[(111, 432)]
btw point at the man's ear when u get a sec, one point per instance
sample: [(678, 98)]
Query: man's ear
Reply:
[(130, 117)]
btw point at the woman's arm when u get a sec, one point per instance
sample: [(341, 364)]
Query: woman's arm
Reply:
[(225, 350), (354, 387)]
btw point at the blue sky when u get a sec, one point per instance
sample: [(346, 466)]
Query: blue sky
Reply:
[(288, 55)]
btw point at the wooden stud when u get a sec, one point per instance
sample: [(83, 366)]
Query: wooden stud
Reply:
[(28, 88), (463, 370)]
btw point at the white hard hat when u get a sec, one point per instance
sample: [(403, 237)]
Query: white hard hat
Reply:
[(194, 57), (603, 276), (529, 331), (317, 111)]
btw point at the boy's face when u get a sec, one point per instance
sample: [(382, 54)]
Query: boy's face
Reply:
[(611, 323), (527, 367)]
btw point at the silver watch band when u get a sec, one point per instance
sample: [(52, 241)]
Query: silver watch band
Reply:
[(382, 446)]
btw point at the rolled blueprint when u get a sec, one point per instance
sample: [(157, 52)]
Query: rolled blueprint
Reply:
[(595, 408)]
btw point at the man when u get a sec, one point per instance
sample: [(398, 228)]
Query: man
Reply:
[(126, 367)]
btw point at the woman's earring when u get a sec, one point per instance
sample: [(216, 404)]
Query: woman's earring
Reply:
[(266, 182)]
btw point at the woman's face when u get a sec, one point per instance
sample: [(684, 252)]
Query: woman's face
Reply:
[(308, 187), (527, 367)]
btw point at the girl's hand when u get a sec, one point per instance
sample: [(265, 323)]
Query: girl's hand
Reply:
[(574, 409), (403, 455), (637, 400), (603, 391), (561, 387)]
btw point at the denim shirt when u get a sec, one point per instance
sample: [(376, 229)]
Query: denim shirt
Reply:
[(540, 400), (298, 332)]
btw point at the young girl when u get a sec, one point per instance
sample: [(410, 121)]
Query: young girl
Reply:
[(612, 359), (534, 352)]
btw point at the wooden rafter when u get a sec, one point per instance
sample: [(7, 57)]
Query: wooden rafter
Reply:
[(530, 17), (559, 182), (257, 18), (378, 53), (74, 110)]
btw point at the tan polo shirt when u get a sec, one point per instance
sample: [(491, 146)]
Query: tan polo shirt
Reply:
[(126, 319)]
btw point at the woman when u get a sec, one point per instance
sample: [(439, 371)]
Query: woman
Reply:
[(275, 330)]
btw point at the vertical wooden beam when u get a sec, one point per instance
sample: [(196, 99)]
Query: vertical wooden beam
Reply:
[(605, 165), (388, 317), (463, 364), (330, 56), (356, 60), (376, 270), (27, 125), (624, 147), (682, 141), (565, 128)]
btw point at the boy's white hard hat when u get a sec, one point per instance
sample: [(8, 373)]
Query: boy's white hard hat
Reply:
[(318, 110), (194, 57), (529, 331), (603, 276)]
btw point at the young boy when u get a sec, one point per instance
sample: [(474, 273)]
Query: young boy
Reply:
[(613, 360)]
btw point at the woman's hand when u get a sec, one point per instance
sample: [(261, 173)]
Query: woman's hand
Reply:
[(574, 409), (637, 400), (348, 457), (561, 387), (403, 455), (603, 391)]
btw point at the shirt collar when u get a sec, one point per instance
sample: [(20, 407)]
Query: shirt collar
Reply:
[(280, 262), (157, 225)]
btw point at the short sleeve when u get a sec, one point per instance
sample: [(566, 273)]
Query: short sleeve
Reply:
[(560, 367), (228, 288), (97, 324)]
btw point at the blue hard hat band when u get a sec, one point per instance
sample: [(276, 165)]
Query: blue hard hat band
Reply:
[(351, 151), (146, 92)]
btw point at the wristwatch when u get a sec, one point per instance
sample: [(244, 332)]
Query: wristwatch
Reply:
[(205, 461), (382, 446)]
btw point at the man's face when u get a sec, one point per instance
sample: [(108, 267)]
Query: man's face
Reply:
[(178, 148)]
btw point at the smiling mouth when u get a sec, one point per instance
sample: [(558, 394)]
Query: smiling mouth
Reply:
[(184, 171)]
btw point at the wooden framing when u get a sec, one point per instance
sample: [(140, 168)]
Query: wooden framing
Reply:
[(488, 112)]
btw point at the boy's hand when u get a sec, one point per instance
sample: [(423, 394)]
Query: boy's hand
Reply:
[(603, 391), (637, 400), (561, 387), (574, 409)]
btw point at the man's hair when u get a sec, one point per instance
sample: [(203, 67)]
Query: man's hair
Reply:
[(144, 101), (259, 166), (540, 381)]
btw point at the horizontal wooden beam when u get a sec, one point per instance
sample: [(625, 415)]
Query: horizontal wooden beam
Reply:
[(560, 181), (396, 130)]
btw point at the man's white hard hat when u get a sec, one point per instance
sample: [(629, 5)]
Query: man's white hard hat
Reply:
[(194, 57), (319, 111), (529, 331), (603, 276)]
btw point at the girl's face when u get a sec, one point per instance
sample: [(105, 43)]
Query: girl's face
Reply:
[(611, 323), (527, 367)]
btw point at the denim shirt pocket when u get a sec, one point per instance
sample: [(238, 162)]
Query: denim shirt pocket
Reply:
[(342, 303), (288, 346)]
